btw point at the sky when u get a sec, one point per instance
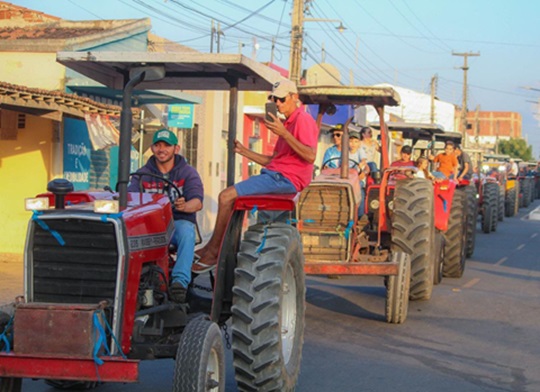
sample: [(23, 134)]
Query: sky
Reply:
[(402, 42)]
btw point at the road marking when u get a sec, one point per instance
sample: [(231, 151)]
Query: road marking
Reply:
[(501, 261), (521, 247), (534, 235), (471, 283)]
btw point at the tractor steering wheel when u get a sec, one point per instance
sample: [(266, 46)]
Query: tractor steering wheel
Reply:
[(355, 164), (169, 182)]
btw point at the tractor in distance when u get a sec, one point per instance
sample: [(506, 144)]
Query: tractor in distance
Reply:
[(334, 240), (97, 265)]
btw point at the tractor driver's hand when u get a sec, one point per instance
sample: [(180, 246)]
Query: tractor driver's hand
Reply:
[(275, 126), (180, 204)]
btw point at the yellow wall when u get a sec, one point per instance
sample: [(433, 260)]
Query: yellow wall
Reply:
[(25, 166), (32, 70)]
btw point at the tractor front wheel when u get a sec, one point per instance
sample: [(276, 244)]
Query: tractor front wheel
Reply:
[(268, 308), (397, 290), (456, 237), (200, 358), (8, 384), (472, 216), (413, 232)]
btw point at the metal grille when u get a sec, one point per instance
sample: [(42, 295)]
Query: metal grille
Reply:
[(83, 270)]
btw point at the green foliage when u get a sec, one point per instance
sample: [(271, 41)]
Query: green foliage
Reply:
[(516, 148)]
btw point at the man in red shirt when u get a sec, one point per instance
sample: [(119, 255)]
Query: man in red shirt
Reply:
[(288, 170)]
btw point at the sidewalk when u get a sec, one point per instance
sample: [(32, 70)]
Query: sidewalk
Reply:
[(11, 277)]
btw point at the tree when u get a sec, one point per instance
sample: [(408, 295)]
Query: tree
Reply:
[(516, 148)]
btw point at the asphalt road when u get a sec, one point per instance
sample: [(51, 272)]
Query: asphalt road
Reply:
[(478, 333)]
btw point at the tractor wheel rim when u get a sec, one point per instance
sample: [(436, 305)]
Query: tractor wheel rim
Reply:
[(212, 372), (288, 314)]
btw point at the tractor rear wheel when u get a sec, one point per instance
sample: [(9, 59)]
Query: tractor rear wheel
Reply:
[(397, 290), (413, 232), (516, 206), (510, 202), (456, 237), (491, 193), (268, 308), (439, 258), (200, 358), (500, 211), (472, 217)]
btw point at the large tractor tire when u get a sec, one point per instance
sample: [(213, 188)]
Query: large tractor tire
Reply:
[(455, 238), (510, 202), (413, 232), (200, 358), (516, 206), (472, 218), (268, 308), (397, 290), (439, 258), (493, 193), (8, 384), (501, 203)]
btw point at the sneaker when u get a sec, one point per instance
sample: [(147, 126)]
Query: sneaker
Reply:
[(177, 293)]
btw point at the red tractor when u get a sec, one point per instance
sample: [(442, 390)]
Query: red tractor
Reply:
[(334, 239), (97, 267)]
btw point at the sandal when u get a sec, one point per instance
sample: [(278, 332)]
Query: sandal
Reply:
[(200, 268)]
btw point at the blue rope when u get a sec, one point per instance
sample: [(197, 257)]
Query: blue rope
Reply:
[(4, 338), (260, 248), (348, 229), (253, 211), (101, 338), (104, 217), (44, 226)]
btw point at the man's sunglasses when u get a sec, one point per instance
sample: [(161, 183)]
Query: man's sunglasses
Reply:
[(282, 100), (338, 135)]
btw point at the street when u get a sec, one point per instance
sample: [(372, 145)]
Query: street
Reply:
[(477, 333)]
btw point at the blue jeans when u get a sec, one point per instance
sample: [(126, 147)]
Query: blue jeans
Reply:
[(184, 239), (361, 206), (267, 182)]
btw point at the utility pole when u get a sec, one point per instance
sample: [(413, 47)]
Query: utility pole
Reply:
[(297, 33), (465, 68), (212, 32), (219, 34), (477, 125), (434, 81)]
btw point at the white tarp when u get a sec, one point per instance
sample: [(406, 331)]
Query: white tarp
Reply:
[(416, 107)]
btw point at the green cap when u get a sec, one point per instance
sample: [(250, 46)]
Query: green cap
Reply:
[(164, 135)]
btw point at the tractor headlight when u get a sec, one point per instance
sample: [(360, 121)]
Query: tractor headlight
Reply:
[(374, 204), (36, 204), (502, 168), (106, 206), (485, 168)]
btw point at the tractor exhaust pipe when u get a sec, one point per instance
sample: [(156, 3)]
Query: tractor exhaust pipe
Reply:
[(136, 76)]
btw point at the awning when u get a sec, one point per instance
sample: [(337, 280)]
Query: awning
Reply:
[(183, 71), (141, 97)]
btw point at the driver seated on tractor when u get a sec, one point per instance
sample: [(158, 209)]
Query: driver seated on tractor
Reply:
[(288, 170), (404, 161), (334, 151), (446, 162), (513, 169), (169, 164)]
